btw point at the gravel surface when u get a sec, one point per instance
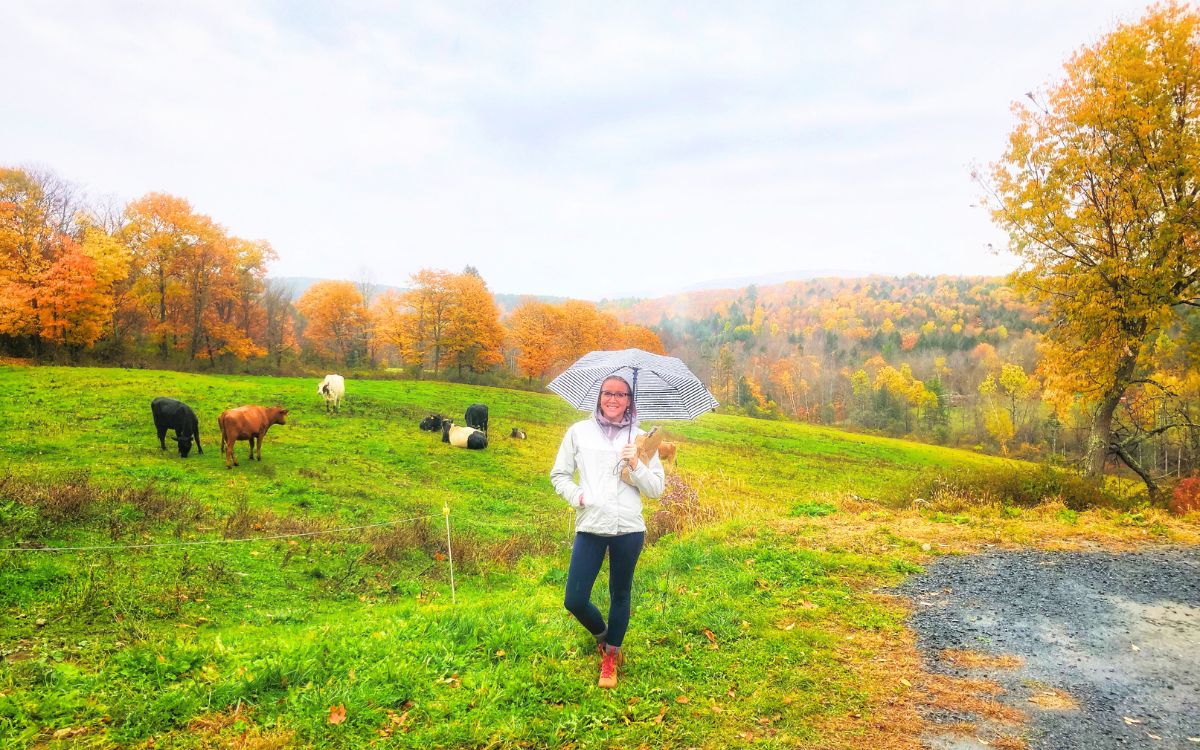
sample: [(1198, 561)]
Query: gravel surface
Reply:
[(1120, 633)]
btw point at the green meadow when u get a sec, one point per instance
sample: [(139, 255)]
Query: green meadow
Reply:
[(337, 625)]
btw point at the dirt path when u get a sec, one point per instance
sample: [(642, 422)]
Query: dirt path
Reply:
[(1118, 634)]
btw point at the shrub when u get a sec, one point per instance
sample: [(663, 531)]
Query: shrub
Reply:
[(679, 509), (1185, 498), (1014, 484)]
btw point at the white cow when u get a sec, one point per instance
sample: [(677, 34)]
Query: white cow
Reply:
[(333, 389)]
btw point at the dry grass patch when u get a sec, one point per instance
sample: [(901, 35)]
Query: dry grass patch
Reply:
[(866, 527), (1053, 699), (901, 694), (969, 659)]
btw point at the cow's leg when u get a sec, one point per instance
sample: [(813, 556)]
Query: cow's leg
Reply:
[(196, 435), (162, 437), (260, 439), (227, 447), (251, 448)]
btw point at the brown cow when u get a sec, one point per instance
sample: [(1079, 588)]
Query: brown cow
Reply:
[(247, 423)]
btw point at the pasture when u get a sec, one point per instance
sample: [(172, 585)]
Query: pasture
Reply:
[(757, 620)]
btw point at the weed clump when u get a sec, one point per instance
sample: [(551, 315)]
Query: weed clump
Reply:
[(679, 509), (1013, 485)]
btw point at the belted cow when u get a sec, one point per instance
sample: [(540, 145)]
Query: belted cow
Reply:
[(170, 414), (247, 423)]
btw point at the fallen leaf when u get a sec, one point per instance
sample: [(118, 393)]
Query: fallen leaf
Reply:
[(905, 682), (439, 556), (1153, 736), (682, 699), (1131, 722), (500, 653), (337, 714), (1134, 647), (658, 719)]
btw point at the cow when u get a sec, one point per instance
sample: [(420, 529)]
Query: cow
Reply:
[(432, 423), (477, 417), (333, 389), (247, 423), (666, 451), (170, 414), (517, 433), (463, 437)]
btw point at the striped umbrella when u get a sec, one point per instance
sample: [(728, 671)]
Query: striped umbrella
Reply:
[(663, 387)]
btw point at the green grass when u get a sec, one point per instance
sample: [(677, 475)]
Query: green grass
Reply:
[(737, 629)]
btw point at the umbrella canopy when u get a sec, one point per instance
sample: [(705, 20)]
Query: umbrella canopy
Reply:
[(664, 387)]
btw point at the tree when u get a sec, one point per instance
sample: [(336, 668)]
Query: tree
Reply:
[(336, 321), (474, 336), (534, 327), (1098, 192), (40, 261)]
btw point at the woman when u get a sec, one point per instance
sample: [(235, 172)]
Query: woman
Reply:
[(608, 514)]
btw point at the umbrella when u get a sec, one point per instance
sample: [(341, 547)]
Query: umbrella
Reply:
[(664, 387)]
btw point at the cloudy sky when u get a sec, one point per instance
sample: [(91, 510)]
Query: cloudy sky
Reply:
[(591, 149)]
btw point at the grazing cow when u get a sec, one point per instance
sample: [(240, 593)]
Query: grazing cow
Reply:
[(477, 417), (666, 451), (432, 423), (247, 423), (170, 414), (333, 389), (518, 433), (463, 437)]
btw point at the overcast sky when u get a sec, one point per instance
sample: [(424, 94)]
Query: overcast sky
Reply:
[(579, 149)]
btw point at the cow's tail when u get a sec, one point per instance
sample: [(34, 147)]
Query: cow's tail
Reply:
[(221, 427)]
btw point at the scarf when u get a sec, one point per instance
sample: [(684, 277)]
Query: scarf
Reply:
[(611, 428)]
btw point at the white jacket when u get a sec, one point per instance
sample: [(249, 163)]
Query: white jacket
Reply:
[(609, 506)]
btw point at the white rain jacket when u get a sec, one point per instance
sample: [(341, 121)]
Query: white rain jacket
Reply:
[(610, 506)]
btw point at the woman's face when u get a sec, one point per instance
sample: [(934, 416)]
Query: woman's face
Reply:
[(614, 398)]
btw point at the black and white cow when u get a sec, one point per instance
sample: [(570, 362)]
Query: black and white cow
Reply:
[(477, 417), (170, 414), (463, 437)]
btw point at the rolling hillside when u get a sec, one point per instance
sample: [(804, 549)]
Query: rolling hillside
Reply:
[(755, 618)]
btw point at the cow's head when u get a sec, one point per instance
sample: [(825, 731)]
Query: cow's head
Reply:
[(185, 445), (280, 416)]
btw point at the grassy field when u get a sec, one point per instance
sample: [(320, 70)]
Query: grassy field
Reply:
[(757, 618)]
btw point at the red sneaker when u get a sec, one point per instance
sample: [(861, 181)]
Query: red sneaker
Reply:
[(608, 667)]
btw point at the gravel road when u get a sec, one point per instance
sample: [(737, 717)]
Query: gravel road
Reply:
[(1120, 633)]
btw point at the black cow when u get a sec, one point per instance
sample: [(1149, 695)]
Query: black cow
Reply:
[(432, 423), (170, 414), (477, 417)]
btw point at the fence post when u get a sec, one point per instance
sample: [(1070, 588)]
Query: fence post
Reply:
[(449, 551)]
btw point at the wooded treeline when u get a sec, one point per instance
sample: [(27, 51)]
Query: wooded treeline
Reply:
[(156, 282)]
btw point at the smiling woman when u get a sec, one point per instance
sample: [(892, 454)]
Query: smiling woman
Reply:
[(608, 515)]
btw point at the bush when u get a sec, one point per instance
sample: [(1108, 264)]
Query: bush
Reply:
[(1017, 485), (1186, 496)]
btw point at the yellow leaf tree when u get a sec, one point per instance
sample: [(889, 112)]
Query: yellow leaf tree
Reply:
[(1098, 191)]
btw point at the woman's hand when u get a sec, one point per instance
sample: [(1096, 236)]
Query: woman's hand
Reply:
[(629, 453)]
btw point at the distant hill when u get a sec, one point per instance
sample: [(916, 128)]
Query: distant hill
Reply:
[(298, 285), (778, 277)]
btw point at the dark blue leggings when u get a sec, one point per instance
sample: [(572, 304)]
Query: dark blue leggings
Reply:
[(586, 558)]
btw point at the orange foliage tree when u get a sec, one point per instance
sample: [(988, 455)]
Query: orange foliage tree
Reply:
[(337, 323)]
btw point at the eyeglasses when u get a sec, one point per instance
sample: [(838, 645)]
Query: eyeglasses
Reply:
[(613, 394)]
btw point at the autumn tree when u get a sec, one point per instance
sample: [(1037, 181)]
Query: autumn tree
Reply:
[(533, 327), (45, 277), (336, 320), (1098, 192), (473, 336)]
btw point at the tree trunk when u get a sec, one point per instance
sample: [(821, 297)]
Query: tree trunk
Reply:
[(1099, 442), (1122, 453)]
